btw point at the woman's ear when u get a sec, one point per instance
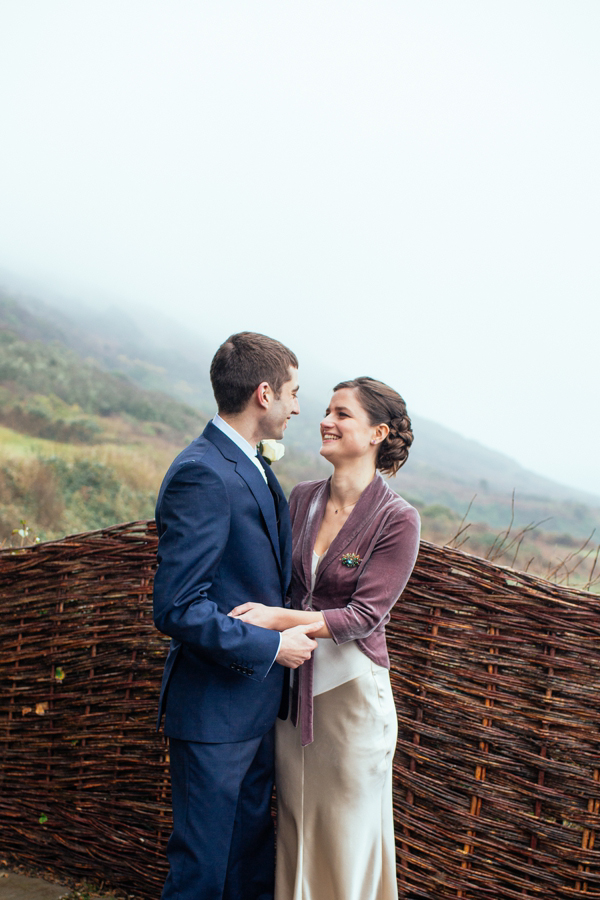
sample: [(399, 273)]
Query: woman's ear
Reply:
[(380, 433)]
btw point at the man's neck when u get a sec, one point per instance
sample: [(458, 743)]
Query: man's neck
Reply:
[(244, 425)]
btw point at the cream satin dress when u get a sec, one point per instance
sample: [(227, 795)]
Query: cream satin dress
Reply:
[(335, 823)]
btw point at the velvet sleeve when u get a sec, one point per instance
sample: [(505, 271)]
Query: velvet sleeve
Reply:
[(381, 581), (293, 503)]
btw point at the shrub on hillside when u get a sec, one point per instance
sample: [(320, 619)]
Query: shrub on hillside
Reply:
[(58, 496), (31, 367), (46, 416)]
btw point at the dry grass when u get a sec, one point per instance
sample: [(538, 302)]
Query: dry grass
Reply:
[(58, 489), (560, 558)]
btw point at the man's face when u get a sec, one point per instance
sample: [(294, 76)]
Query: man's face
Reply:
[(282, 408)]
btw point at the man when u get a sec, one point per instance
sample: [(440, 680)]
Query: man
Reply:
[(225, 538)]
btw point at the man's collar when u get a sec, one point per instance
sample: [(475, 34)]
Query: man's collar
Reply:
[(234, 436)]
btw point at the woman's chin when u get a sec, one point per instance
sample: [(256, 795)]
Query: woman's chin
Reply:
[(326, 449)]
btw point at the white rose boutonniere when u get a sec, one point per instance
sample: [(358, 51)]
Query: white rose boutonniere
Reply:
[(271, 450)]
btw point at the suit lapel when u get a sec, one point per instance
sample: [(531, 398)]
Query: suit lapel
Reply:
[(252, 477), (248, 471), (273, 484), (283, 522)]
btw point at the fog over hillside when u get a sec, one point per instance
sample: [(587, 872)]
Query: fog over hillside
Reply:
[(408, 189), (444, 468)]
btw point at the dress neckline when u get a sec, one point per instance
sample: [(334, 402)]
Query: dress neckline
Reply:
[(366, 507)]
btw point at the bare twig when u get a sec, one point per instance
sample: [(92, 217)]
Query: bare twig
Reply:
[(500, 545), (580, 560), (563, 562), (519, 542), (461, 528), (526, 569), (503, 535), (591, 579), (518, 538)]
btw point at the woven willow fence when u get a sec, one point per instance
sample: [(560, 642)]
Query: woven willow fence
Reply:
[(497, 683)]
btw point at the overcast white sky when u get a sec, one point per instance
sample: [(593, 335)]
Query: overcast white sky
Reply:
[(404, 189)]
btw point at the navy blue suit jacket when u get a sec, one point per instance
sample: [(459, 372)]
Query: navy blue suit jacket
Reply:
[(224, 539)]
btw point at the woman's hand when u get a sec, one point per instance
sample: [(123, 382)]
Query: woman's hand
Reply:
[(279, 618), (259, 614)]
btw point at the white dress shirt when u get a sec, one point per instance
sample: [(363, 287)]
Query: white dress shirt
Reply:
[(240, 441), (335, 664), (250, 452)]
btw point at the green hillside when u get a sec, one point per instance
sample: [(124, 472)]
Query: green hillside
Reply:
[(49, 391), (80, 448), (112, 342)]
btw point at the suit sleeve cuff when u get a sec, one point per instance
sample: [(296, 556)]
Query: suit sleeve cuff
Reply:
[(276, 655)]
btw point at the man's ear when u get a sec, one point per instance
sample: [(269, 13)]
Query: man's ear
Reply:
[(263, 394)]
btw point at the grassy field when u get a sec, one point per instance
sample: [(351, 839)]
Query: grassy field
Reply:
[(59, 488)]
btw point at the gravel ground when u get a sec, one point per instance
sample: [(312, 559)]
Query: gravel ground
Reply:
[(24, 883)]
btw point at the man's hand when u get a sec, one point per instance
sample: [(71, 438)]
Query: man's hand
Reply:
[(296, 645)]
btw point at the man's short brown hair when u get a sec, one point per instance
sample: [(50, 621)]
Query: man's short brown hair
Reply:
[(243, 362)]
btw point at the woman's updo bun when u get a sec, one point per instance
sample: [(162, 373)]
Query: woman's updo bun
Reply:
[(384, 406)]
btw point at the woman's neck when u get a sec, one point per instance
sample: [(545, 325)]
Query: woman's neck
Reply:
[(349, 481)]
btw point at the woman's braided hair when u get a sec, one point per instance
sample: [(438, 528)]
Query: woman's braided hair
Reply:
[(384, 406)]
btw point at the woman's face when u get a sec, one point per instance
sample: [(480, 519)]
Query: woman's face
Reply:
[(345, 431)]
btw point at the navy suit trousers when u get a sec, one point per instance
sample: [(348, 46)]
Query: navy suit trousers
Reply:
[(222, 845)]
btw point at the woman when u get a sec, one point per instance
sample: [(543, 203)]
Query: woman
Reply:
[(355, 542)]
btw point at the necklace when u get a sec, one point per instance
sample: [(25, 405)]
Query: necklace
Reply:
[(340, 508)]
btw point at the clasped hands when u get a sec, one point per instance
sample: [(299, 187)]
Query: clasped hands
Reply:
[(296, 645)]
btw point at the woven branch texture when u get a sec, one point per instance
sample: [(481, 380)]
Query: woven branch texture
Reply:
[(497, 683)]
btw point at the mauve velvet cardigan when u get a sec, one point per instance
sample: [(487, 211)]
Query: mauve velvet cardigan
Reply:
[(383, 530)]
